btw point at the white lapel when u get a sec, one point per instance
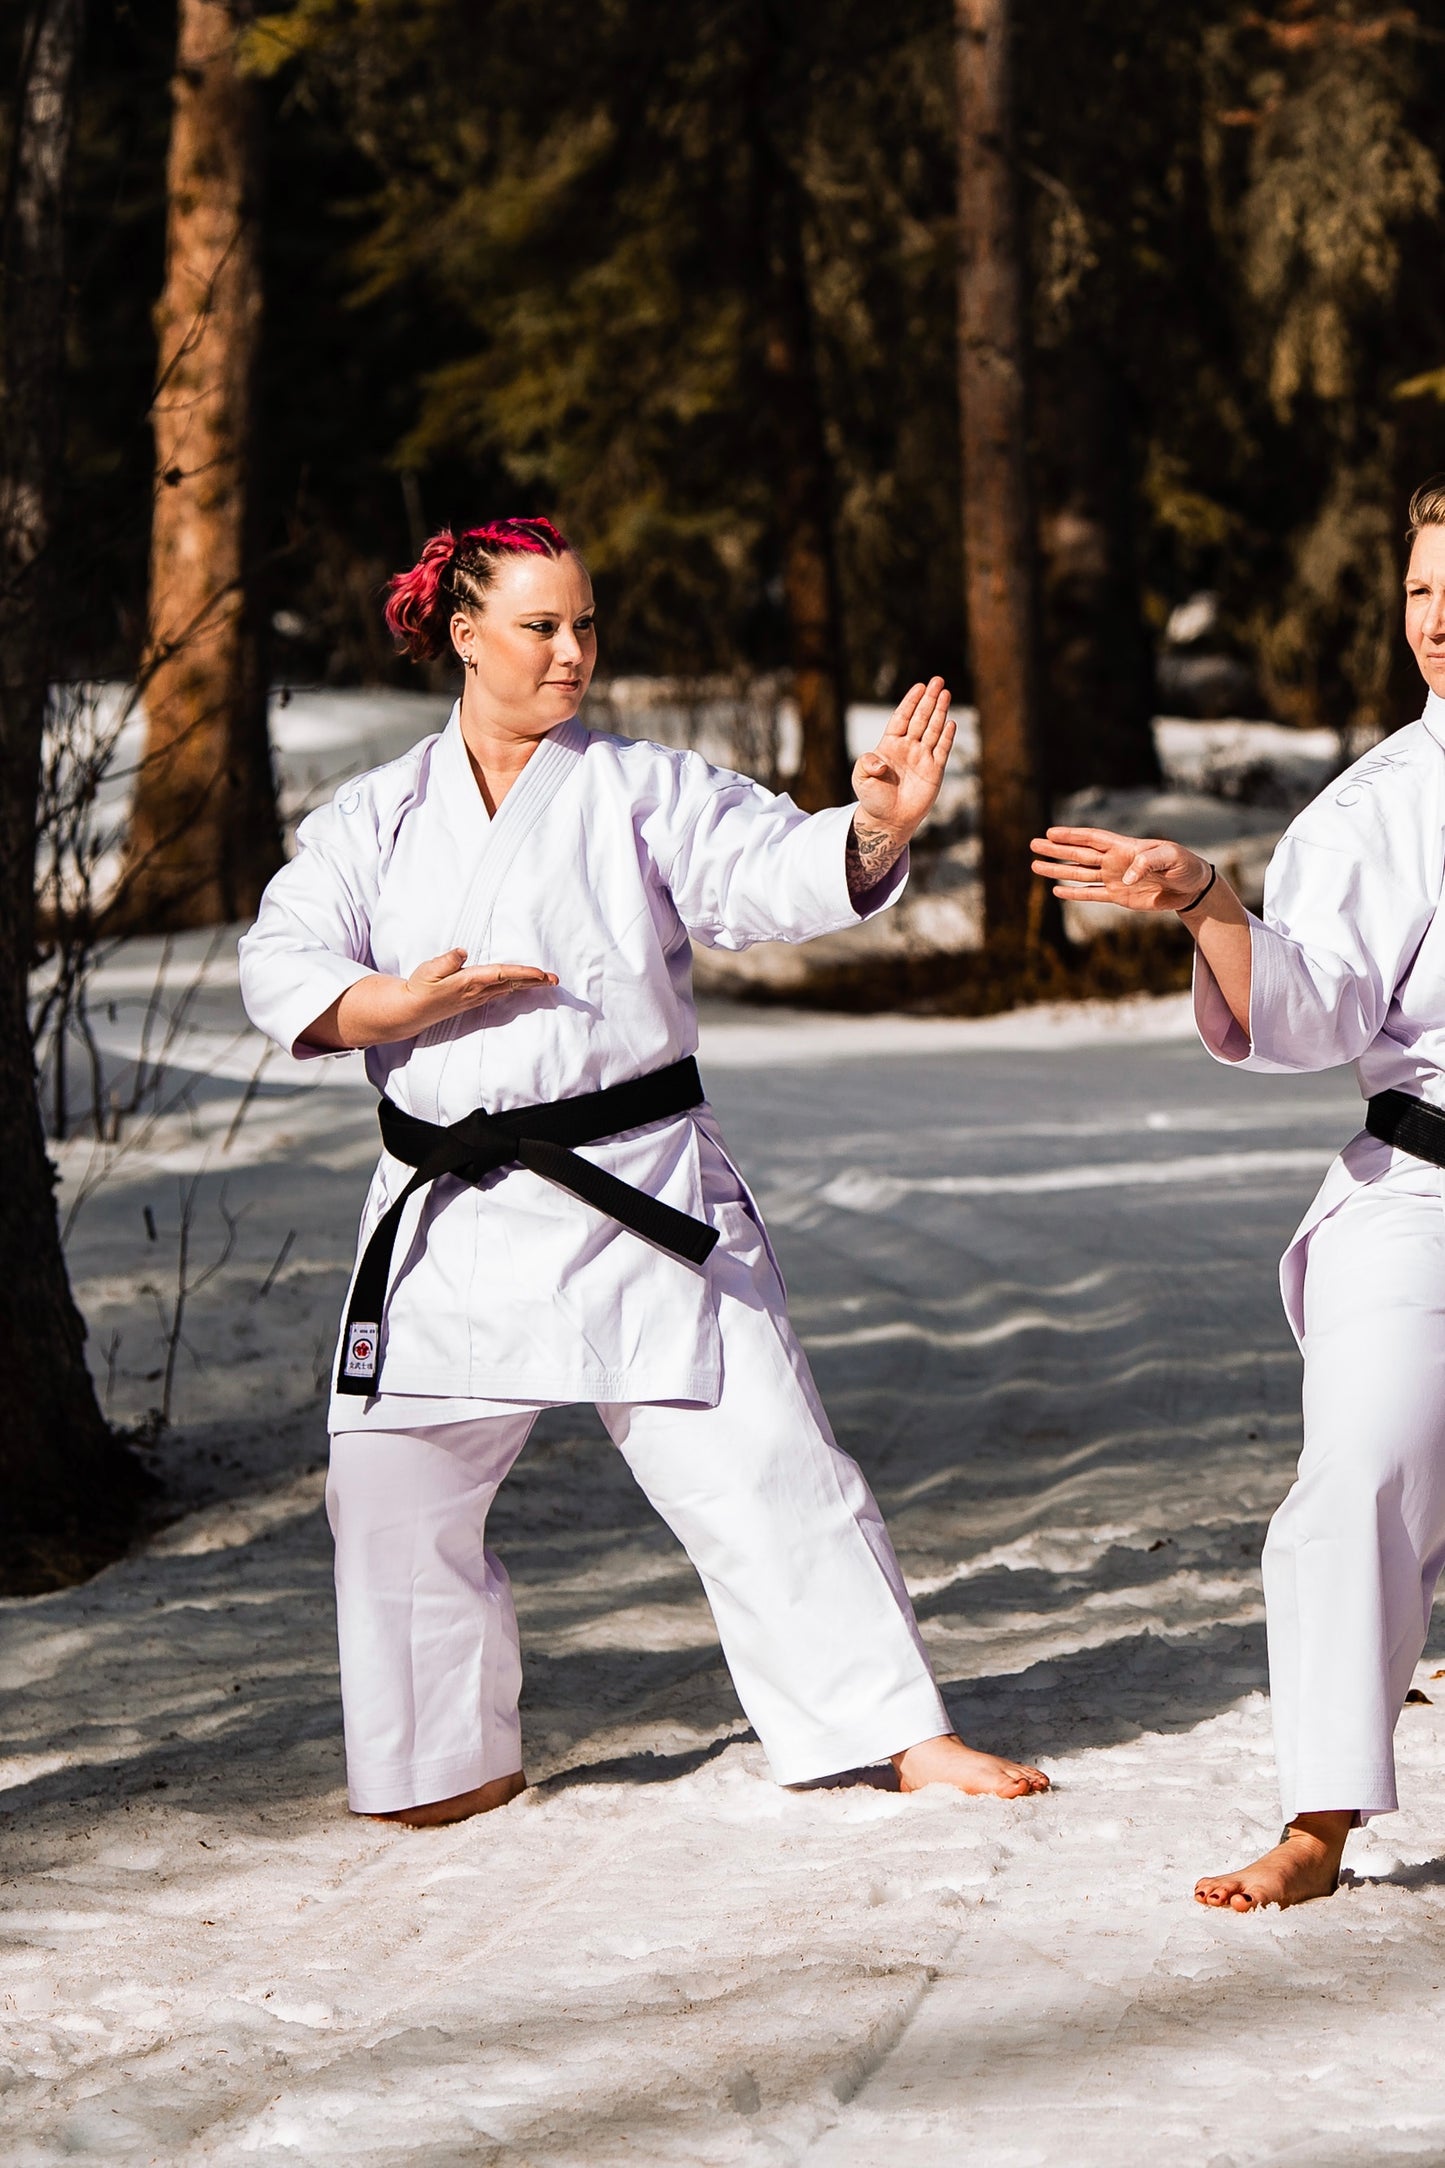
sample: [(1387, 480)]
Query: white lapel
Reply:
[(492, 845), (1434, 717), (462, 807), (515, 818)]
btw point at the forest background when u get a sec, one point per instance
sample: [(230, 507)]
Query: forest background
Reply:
[(522, 258), (711, 284)]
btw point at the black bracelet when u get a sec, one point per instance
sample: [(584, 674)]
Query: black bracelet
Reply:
[(1213, 877)]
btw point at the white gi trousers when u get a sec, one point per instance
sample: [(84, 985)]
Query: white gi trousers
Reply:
[(810, 1606), (1355, 1551)]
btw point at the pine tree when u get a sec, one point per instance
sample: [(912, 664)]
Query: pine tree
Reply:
[(1328, 192), (70, 1489), (204, 835), (998, 530)]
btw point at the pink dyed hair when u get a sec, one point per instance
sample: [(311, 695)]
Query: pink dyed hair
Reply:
[(453, 573)]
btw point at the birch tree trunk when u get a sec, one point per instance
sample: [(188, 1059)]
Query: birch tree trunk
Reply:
[(204, 834), (69, 1488), (998, 533)]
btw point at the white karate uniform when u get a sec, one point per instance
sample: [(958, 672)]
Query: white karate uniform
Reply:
[(1348, 965), (603, 859)]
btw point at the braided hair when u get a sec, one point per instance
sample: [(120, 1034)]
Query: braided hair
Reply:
[(454, 573)]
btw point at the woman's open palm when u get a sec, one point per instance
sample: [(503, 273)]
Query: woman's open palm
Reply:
[(898, 781)]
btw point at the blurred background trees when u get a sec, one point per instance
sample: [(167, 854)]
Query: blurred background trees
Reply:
[(723, 287), (684, 275)]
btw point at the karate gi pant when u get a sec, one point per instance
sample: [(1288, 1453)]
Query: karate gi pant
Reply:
[(810, 1606), (1354, 1553)]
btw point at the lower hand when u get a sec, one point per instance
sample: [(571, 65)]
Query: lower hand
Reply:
[(1093, 865), (448, 985), (380, 1010)]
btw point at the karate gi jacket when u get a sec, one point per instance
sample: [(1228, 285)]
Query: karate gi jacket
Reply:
[(1348, 958), (604, 857)]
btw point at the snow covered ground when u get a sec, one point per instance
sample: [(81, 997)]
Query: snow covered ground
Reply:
[(1033, 1260)]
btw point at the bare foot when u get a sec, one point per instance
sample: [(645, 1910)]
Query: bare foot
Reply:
[(948, 1761), (462, 1804), (1304, 1864)]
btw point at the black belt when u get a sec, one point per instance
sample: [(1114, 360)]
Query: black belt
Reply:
[(541, 1138), (1411, 1125)]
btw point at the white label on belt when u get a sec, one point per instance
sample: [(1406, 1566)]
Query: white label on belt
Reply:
[(360, 1351)]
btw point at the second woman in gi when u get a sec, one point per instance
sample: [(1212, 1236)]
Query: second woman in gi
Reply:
[(1347, 964)]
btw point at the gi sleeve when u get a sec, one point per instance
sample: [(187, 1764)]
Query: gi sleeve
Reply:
[(312, 936), (1348, 898), (743, 864)]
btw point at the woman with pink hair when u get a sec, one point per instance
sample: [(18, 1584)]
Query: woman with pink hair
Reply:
[(555, 1217)]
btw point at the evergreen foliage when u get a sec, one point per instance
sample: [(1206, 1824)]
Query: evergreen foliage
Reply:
[(520, 258)]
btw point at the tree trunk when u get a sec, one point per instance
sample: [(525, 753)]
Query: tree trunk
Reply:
[(69, 1488), (998, 538), (810, 578), (204, 834), (1098, 708), (804, 483)]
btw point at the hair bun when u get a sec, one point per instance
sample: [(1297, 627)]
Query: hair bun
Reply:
[(417, 612)]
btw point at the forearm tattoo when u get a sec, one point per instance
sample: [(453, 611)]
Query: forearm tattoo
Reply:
[(872, 852)]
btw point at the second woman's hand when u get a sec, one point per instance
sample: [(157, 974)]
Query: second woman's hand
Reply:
[(382, 1009), (1142, 873), (1148, 873)]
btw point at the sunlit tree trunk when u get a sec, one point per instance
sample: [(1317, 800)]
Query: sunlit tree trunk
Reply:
[(998, 536), (204, 837), (68, 1487)]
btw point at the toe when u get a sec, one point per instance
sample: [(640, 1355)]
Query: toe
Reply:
[(1027, 1777)]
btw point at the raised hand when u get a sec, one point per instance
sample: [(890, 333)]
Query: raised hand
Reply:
[(897, 783), (381, 1009), (1093, 865)]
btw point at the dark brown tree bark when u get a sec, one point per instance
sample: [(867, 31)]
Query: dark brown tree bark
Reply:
[(69, 1487), (792, 395), (1098, 674), (805, 514), (998, 532), (204, 834)]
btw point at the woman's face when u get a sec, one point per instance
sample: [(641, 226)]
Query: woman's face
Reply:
[(530, 652), (1425, 606)]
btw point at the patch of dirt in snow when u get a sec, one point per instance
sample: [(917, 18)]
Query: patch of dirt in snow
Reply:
[(1078, 1406)]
